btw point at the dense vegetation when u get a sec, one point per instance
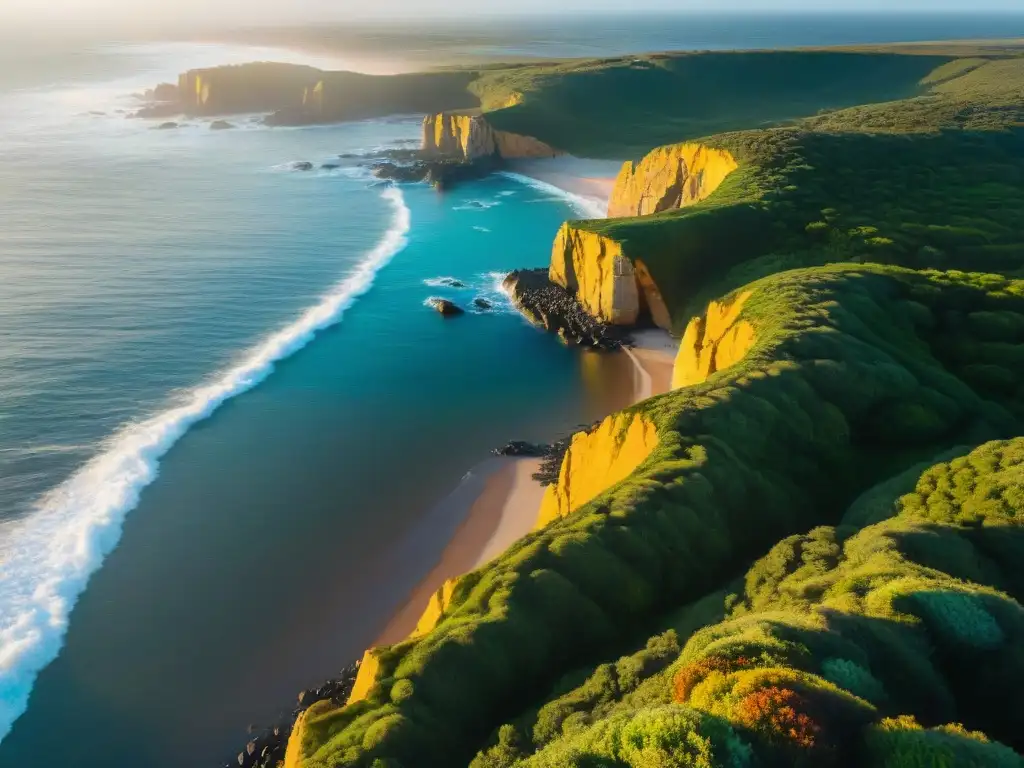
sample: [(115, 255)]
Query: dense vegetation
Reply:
[(858, 373), (884, 642), (820, 562)]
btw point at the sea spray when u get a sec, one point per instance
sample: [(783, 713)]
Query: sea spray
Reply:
[(586, 206), (48, 557)]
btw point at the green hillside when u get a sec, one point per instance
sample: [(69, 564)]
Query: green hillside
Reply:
[(858, 373), (625, 107)]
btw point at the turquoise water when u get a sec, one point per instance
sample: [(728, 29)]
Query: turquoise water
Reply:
[(148, 277)]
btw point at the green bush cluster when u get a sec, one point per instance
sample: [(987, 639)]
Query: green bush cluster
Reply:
[(868, 630)]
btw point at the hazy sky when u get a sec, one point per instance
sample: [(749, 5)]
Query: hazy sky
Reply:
[(297, 11)]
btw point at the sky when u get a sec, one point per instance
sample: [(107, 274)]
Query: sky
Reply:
[(297, 11)]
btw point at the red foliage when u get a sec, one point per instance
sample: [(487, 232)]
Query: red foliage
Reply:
[(779, 713), (688, 677)]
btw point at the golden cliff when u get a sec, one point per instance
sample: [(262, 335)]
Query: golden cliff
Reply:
[(470, 136), (713, 342), (669, 178), (612, 287), (596, 461)]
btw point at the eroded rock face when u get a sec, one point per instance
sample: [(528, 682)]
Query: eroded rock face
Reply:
[(470, 137), (669, 177), (596, 461), (713, 342), (595, 269)]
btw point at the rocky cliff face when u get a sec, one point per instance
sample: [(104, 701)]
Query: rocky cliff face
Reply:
[(595, 269), (669, 177), (713, 342), (470, 136), (612, 287), (596, 461)]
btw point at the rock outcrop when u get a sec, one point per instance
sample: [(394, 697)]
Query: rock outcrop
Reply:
[(596, 461), (612, 287), (558, 310), (469, 136), (668, 178), (713, 342)]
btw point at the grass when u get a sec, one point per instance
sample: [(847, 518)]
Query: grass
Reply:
[(624, 107)]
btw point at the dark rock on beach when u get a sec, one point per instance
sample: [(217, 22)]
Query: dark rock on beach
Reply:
[(521, 448), (266, 749), (557, 310), (551, 454), (446, 308), (302, 166)]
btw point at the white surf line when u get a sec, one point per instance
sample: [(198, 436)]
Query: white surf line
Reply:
[(47, 558), (591, 208)]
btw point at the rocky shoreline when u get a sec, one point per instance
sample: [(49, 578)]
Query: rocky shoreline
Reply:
[(441, 173), (557, 310), (266, 746)]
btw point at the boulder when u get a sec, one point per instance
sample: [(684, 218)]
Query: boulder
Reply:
[(482, 303), (167, 126), (446, 308), (302, 165), (221, 125)]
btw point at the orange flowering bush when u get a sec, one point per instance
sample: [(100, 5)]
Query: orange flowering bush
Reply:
[(779, 713)]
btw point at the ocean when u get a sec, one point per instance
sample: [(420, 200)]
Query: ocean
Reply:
[(226, 415)]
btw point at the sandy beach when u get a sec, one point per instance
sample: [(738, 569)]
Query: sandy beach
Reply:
[(592, 180)]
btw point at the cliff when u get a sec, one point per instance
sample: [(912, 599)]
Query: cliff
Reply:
[(669, 178), (613, 287), (470, 136), (256, 87), (596, 461), (299, 95), (713, 342)]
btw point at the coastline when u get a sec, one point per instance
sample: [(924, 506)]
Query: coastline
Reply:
[(507, 507)]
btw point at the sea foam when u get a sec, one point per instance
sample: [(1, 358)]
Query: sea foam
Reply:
[(48, 557), (592, 208)]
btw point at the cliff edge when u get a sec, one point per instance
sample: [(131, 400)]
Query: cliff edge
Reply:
[(470, 136)]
